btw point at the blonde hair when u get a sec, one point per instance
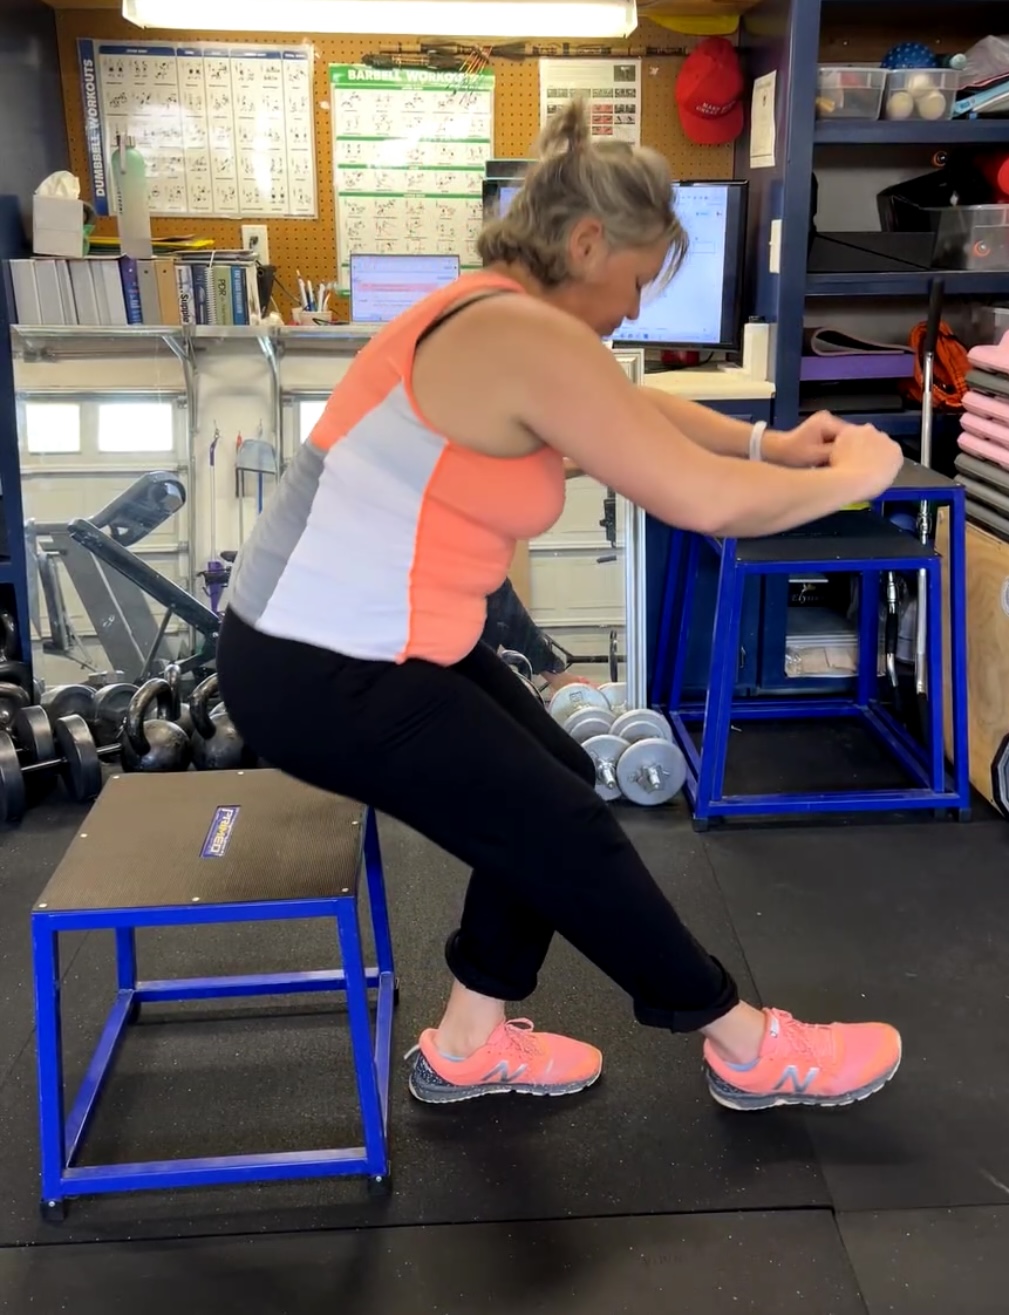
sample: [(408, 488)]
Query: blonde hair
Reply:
[(627, 188)]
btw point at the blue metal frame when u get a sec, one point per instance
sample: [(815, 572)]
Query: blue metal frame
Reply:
[(62, 1135), (934, 787)]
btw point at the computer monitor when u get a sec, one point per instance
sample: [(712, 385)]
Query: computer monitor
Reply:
[(688, 312), (502, 170), (685, 313), (498, 194), (382, 287)]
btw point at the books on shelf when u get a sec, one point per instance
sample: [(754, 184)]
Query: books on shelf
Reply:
[(193, 287)]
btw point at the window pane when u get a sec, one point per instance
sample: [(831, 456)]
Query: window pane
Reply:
[(308, 416), (52, 427), (135, 427)]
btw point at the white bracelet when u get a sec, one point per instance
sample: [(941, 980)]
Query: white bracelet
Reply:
[(757, 440)]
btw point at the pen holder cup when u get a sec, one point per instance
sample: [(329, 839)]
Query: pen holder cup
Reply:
[(310, 317)]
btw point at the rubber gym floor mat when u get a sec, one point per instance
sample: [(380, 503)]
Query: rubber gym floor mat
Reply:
[(790, 1263), (931, 1262), (806, 755), (648, 1139), (908, 923), (28, 855)]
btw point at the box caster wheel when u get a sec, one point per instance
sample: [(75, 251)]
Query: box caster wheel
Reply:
[(380, 1186), (963, 814), (53, 1212), (395, 994), (701, 825)]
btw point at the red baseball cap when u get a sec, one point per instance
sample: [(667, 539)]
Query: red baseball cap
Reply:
[(709, 93)]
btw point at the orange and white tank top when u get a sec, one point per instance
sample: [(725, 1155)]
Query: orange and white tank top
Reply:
[(385, 538)]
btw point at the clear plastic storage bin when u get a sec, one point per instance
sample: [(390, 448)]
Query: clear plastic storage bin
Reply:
[(921, 94), (843, 92), (972, 237)]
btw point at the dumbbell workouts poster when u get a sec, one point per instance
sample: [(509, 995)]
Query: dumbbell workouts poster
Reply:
[(409, 150), (223, 129)]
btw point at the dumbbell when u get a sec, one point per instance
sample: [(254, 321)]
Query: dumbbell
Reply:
[(69, 701), (639, 724), (72, 756), (575, 698), (103, 709), (109, 711), (615, 694), (637, 759), (605, 751), (652, 770), (588, 722), (642, 724)]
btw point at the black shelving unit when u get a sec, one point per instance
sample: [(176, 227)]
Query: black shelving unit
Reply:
[(909, 283), (31, 105), (885, 132), (784, 36), (13, 566)]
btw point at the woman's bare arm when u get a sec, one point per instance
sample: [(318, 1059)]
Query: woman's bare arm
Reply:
[(575, 396), (718, 433)]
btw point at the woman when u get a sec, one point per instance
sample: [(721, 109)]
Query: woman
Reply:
[(365, 583)]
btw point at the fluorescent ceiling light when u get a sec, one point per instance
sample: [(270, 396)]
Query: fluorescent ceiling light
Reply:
[(422, 18)]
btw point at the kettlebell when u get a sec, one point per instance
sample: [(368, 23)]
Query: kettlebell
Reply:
[(217, 746), (157, 745), (179, 712)]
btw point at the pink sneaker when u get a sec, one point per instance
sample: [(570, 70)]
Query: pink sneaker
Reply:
[(515, 1058), (807, 1064)]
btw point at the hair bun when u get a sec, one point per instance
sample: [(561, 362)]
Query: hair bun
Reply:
[(566, 130)]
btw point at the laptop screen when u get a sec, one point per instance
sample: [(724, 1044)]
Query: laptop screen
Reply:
[(382, 287)]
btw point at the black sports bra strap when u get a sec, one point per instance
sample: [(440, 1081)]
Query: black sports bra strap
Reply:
[(461, 306)]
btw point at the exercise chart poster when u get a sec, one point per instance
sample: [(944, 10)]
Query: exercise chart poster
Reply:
[(224, 129), (409, 151)]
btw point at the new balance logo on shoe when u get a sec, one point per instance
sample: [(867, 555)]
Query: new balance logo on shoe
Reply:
[(799, 1085), (501, 1073)]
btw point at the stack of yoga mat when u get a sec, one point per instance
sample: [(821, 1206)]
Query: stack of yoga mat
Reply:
[(983, 463)]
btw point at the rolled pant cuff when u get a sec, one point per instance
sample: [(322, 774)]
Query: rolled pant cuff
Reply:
[(495, 988), (690, 1020)]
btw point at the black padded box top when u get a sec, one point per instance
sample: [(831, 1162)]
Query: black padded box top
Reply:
[(860, 536), (913, 475), (178, 839)]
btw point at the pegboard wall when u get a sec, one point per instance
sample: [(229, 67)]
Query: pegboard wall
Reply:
[(311, 243)]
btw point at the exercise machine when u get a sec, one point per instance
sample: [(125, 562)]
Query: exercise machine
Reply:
[(118, 589)]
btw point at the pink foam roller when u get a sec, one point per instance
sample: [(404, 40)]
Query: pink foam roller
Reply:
[(992, 358), (979, 447), (992, 408), (993, 431)]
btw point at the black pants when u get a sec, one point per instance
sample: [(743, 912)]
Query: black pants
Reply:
[(467, 757)]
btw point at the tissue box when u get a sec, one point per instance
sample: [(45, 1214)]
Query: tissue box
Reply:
[(57, 226)]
